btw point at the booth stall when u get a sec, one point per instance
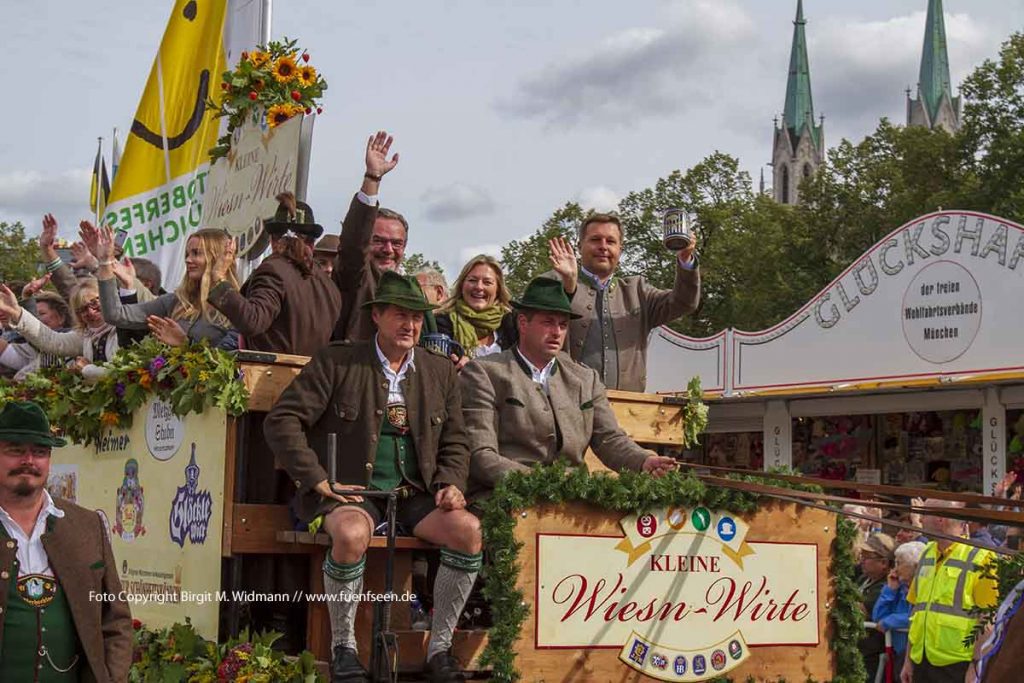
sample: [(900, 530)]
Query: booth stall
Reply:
[(906, 369)]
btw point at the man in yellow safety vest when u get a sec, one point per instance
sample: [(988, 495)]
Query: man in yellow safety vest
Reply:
[(949, 583)]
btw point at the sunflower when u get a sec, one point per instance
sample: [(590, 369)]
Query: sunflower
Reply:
[(280, 113), (285, 69), (258, 58), (307, 75)]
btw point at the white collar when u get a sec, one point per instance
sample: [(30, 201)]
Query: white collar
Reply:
[(49, 508), (407, 362), (540, 375)]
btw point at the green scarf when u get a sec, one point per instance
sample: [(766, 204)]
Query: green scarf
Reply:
[(470, 325)]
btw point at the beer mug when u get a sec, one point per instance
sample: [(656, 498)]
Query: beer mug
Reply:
[(675, 226), (441, 344)]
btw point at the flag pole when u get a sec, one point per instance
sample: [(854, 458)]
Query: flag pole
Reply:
[(97, 179)]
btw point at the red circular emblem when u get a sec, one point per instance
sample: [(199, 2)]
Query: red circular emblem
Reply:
[(646, 525)]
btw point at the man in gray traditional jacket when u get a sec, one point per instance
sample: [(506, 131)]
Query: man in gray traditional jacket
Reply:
[(533, 404), (615, 315)]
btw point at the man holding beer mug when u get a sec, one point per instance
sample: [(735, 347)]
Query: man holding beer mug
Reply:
[(618, 313)]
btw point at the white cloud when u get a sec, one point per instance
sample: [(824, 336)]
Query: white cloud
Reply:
[(600, 198), (27, 195), (457, 202), (639, 72)]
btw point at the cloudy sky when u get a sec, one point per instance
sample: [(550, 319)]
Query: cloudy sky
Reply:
[(502, 111)]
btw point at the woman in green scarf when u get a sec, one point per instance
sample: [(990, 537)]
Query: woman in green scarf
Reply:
[(478, 314)]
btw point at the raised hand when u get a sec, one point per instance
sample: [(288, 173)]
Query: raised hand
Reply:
[(167, 331), (49, 234), (124, 271), (83, 258), (377, 148), (90, 235), (34, 286), (9, 304), (687, 254), (222, 266), (563, 260)]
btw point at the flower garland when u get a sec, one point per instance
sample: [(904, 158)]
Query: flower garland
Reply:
[(275, 79), (631, 492), (190, 378), (179, 653)]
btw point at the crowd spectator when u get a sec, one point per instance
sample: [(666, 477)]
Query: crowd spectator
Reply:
[(876, 561), (433, 284), (177, 318), (325, 252), (21, 358), (891, 612), (91, 342)]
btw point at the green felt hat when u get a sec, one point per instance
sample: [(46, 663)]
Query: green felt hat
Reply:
[(545, 294), (399, 290), (25, 422)]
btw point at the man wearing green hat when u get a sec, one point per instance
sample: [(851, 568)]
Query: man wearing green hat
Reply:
[(62, 614), (398, 415), (534, 404)]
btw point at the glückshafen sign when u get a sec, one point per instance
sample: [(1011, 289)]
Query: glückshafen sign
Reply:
[(940, 295)]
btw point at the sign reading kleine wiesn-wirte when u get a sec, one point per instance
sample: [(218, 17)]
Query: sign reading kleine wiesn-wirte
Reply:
[(682, 595), (939, 295)]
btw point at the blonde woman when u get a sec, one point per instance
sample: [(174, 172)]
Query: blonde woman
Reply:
[(91, 342), (478, 314), (178, 317)]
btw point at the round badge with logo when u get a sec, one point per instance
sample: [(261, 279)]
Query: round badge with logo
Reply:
[(735, 649), (164, 431), (646, 525), (718, 660), (679, 666), (701, 518), (726, 529), (700, 666)]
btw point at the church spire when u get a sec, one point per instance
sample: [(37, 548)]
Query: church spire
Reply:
[(799, 109), (799, 145), (935, 106)]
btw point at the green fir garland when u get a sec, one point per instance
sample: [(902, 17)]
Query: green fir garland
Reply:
[(626, 493)]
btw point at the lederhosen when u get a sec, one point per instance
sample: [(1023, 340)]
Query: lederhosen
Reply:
[(40, 642)]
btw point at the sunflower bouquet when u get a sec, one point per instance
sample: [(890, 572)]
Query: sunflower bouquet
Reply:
[(275, 81)]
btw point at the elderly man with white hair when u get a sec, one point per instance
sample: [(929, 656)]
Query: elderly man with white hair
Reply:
[(950, 582)]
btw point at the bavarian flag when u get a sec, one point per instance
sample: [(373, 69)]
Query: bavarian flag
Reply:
[(99, 190), (157, 198)]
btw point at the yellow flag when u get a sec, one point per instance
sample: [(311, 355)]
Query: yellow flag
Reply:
[(158, 191)]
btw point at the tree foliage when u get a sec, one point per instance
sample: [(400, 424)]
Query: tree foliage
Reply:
[(761, 261), (415, 261), (18, 254)]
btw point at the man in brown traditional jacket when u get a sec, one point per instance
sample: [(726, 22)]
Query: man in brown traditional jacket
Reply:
[(533, 404), (616, 314), (62, 613), (397, 411), (373, 241)]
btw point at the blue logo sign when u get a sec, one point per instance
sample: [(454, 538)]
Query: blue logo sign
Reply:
[(639, 652), (679, 666), (700, 666), (726, 529), (191, 508)]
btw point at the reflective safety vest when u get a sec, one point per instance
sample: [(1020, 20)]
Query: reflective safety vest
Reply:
[(944, 592)]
